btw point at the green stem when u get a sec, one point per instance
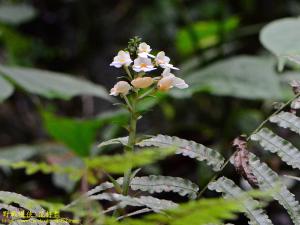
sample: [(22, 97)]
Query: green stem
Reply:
[(131, 142), (128, 72)]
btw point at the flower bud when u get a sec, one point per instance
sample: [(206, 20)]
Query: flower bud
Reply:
[(122, 87), (142, 82), (165, 83)]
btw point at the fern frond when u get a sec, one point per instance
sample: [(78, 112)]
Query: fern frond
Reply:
[(137, 212), (119, 163), (252, 207), (114, 141), (287, 120), (157, 184), (102, 187), (269, 180), (34, 167), (186, 148), (150, 202), (24, 202), (275, 144), (202, 212)]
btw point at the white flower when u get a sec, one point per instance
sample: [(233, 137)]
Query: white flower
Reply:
[(122, 87), (164, 61), (123, 58), (142, 64), (169, 81), (144, 50)]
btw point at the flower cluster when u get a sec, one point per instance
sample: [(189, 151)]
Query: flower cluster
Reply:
[(138, 68)]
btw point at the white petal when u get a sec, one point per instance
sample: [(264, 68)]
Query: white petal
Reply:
[(147, 69), (172, 67), (150, 55), (143, 55), (136, 68), (116, 64), (166, 72), (113, 92), (179, 83), (167, 65)]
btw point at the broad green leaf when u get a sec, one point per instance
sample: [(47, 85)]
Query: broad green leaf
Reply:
[(281, 37), (16, 13), (51, 84), (241, 77), (203, 34), (78, 135), (6, 89)]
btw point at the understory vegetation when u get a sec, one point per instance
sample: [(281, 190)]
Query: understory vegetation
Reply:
[(195, 128)]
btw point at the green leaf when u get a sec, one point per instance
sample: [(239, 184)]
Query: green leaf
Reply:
[(269, 180), (203, 34), (150, 202), (114, 141), (119, 163), (15, 14), (252, 208), (273, 143), (78, 135), (51, 84), (158, 184), (204, 211), (281, 37), (241, 77), (24, 202), (6, 89), (287, 120), (18, 152), (187, 148), (63, 180)]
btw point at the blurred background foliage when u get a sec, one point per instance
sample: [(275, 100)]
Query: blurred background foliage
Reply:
[(233, 79)]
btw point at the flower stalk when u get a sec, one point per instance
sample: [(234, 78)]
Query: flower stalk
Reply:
[(131, 141), (139, 78)]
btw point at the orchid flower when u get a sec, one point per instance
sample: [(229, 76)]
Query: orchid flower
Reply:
[(144, 50), (121, 87), (169, 81), (164, 61), (143, 64), (122, 59)]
